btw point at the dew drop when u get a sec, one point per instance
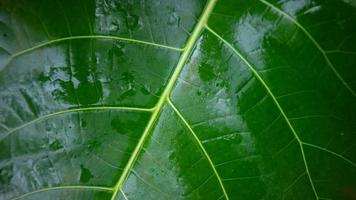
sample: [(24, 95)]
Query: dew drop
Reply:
[(85, 174), (132, 21), (173, 19), (199, 93), (48, 127), (114, 27), (83, 123), (92, 145), (171, 155), (145, 90), (206, 73), (70, 125), (6, 174), (235, 137), (55, 145)]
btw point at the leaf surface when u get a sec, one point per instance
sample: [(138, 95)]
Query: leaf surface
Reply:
[(177, 99)]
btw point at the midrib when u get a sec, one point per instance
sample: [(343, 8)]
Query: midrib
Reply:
[(165, 95)]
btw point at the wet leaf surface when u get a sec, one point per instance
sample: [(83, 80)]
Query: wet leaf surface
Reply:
[(227, 99)]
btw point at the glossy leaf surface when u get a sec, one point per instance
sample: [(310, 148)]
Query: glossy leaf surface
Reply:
[(191, 99)]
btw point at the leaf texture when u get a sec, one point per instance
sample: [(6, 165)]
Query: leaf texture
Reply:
[(191, 99)]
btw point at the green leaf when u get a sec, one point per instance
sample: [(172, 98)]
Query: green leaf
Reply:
[(190, 99)]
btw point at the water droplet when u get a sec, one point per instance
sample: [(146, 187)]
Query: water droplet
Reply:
[(97, 59), (92, 145), (85, 174), (6, 174), (55, 145), (89, 92), (119, 49), (119, 125), (173, 19), (132, 21), (114, 27), (70, 125), (206, 72), (48, 127), (145, 90), (171, 155), (83, 123), (199, 93), (128, 93), (236, 137), (42, 78), (128, 77)]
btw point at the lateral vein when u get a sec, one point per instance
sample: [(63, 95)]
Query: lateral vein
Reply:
[(74, 110), (323, 52), (331, 152), (104, 37), (201, 147)]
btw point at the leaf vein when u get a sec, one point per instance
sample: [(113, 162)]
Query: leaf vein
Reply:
[(201, 147), (330, 152), (249, 65), (323, 52), (71, 111), (104, 37)]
